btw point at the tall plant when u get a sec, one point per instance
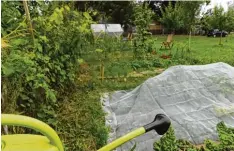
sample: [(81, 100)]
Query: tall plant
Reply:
[(189, 11), (142, 18)]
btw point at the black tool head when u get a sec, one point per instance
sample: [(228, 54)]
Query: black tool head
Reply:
[(160, 124), (163, 123)]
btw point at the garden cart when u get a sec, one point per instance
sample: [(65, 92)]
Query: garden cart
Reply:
[(51, 142)]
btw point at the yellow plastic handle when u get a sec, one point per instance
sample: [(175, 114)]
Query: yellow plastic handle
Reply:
[(24, 121)]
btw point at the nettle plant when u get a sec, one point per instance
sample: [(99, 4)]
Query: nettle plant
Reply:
[(142, 18), (47, 64)]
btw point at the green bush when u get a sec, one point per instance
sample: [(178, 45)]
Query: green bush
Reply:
[(142, 18), (168, 141), (47, 63), (38, 74), (118, 69)]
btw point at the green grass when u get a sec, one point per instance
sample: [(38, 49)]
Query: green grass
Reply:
[(81, 123), (81, 118), (204, 49)]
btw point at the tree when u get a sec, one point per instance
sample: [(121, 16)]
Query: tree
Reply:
[(115, 12), (219, 19), (156, 6), (189, 11), (204, 22), (171, 17), (230, 18)]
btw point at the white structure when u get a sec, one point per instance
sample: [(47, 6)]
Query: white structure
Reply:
[(110, 29), (97, 29)]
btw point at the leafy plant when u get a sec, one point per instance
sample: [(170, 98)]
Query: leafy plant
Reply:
[(118, 69), (168, 142), (143, 16), (49, 63)]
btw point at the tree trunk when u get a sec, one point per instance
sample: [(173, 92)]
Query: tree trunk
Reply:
[(220, 39)]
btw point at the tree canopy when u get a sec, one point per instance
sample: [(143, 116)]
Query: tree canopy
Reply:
[(181, 15), (113, 12)]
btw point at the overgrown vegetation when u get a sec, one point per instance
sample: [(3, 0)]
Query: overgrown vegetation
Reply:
[(48, 62), (55, 76), (168, 141), (38, 73), (80, 124)]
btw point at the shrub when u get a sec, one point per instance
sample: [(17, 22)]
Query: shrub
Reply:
[(142, 18), (168, 141), (46, 64)]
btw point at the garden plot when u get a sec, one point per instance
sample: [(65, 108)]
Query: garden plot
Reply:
[(195, 98)]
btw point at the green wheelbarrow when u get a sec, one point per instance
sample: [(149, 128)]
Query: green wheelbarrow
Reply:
[(51, 142)]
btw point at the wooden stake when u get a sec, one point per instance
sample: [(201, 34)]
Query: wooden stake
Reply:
[(190, 33), (28, 18), (103, 72)]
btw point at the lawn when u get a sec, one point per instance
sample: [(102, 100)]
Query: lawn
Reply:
[(204, 49)]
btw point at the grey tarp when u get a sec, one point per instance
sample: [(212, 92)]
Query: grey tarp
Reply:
[(195, 98)]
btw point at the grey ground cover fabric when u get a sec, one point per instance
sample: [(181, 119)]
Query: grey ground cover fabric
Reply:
[(195, 98)]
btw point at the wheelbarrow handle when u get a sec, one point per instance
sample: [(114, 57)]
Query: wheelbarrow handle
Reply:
[(160, 124)]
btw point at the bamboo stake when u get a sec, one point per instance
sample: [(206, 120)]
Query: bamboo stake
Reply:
[(190, 33), (102, 71), (28, 18)]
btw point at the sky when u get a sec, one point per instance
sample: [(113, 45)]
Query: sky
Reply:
[(223, 3)]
